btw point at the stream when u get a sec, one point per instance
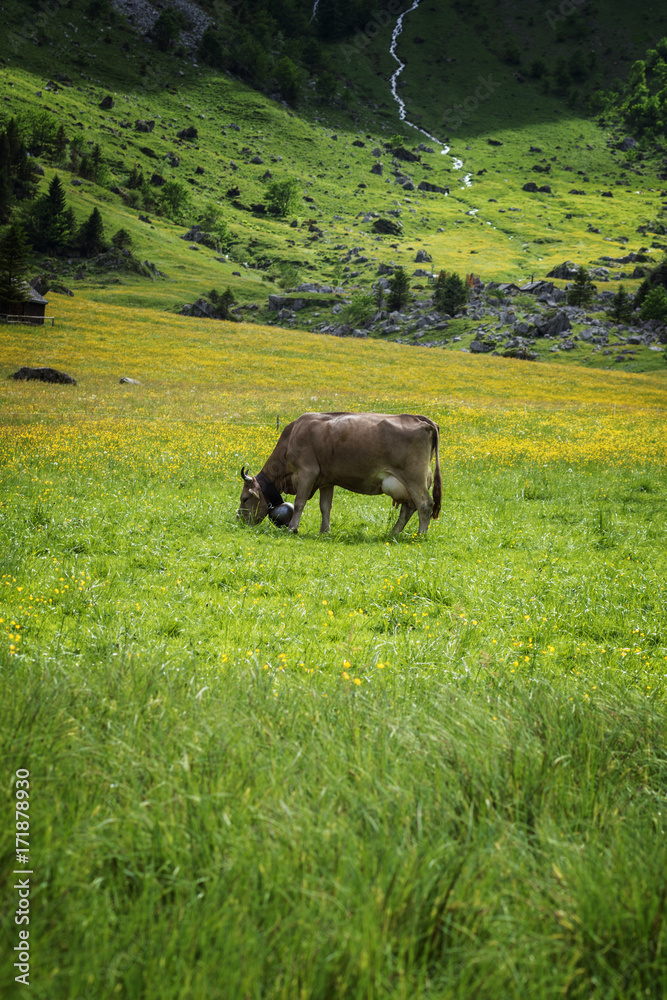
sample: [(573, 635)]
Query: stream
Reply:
[(398, 28)]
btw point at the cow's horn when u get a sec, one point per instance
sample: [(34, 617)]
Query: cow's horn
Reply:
[(244, 475)]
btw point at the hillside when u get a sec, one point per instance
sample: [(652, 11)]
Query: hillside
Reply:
[(164, 122)]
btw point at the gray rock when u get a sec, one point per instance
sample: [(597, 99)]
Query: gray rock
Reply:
[(435, 188), (553, 327), (125, 380), (568, 269)]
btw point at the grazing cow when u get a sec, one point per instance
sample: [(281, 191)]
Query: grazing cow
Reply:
[(367, 453)]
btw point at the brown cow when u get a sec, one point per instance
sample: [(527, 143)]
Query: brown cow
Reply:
[(367, 453)]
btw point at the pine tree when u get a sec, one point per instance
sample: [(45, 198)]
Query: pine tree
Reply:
[(399, 290), (621, 306), (15, 254), (450, 293), (91, 234), (582, 290)]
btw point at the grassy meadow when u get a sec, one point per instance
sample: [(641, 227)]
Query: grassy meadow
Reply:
[(355, 766)]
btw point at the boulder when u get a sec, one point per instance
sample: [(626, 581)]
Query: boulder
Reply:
[(125, 380), (566, 270), (401, 153), (530, 186), (107, 103), (423, 257), (377, 169), (43, 375), (143, 126), (426, 186), (553, 327), (387, 227), (188, 133)]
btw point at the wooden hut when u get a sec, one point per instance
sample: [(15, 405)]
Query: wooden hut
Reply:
[(31, 310)]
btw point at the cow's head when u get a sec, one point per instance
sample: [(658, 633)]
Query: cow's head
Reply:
[(253, 507)]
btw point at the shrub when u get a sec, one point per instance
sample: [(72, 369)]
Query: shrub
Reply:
[(289, 79), (283, 196), (223, 303), (212, 220), (211, 50), (359, 310), (289, 275), (174, 201)]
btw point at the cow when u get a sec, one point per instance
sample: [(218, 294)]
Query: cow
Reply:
[(368, 453)]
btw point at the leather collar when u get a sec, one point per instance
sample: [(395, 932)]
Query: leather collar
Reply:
[(271, 494)]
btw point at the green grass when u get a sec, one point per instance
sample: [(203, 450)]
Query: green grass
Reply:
[(359, 766), (354, 766)]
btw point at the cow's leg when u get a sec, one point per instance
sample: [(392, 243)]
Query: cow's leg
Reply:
[(406, 512), (304, 491), (326, 499), (425, 509)]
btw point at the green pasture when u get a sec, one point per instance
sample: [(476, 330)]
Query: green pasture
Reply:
[(354, 766)]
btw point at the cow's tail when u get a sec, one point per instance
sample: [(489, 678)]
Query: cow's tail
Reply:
[(437, 478)]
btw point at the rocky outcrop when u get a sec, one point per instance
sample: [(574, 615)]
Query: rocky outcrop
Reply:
[(387, 227), (435, 188)]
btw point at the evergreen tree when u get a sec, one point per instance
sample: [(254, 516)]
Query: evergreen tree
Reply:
[(60, 145), (5, 197), (621, 306), (654, 305), (450, 294), (47, 220), (91, 234), (121, 240), (582, 290), (399, 290), (166, 28), (15, 256)]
